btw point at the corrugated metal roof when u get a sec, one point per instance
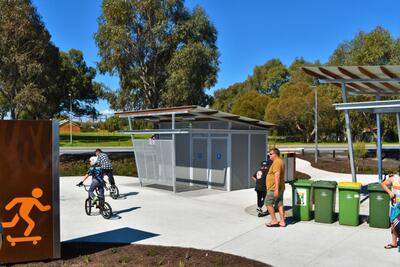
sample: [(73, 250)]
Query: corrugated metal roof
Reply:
[(193, 113), (363, 80)]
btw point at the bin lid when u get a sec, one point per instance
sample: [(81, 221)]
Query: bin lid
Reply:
[(350, 185), (325, 184), (303, 183), (375, 187)]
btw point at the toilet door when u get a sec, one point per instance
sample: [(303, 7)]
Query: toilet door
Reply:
[(219, 162)]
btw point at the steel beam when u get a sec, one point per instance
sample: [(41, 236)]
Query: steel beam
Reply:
[(348, 131), (379, 143)]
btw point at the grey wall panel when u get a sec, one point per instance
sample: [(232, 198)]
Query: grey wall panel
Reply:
[(219, 125), (239, 162), (182, 152), (199, 125), (239, 126), (165, 125), (258, 152)]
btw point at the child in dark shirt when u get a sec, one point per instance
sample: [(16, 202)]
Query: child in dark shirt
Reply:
[(97, 179), (260, 178)]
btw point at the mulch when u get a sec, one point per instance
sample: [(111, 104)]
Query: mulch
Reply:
[(341, 164), (107, 254)]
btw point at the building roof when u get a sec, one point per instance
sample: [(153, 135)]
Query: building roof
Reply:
[(360, 80), (192, 113), (62, 122)]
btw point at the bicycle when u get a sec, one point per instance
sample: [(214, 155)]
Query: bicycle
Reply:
[(113, 189), (104, 208)]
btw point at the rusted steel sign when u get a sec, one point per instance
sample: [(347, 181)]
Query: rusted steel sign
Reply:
[(29, 191)]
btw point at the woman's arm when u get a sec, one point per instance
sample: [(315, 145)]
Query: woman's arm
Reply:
[(386, 188)]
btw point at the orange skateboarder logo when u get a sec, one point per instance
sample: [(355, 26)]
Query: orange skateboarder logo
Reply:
[(27, 204)]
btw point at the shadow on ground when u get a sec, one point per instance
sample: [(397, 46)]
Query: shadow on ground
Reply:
[(126, 195), (70, 250), (118, 212), (119, 236)]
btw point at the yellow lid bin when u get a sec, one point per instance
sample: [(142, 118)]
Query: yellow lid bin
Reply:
[(349, 203), (350, 185)]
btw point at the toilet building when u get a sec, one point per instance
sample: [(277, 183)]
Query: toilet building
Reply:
[(194, 147)]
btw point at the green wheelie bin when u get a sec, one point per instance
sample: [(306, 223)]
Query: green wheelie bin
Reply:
[(324, 201), (379, 206), (301, 200), (349, 203)]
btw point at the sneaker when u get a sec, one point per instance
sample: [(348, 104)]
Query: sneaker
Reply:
[(259, 210)]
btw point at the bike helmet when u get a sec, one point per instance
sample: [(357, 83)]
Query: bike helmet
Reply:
[(93, 160)]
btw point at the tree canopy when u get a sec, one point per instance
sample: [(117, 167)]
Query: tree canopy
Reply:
[(163, 54), (35, 77), (252, 104)]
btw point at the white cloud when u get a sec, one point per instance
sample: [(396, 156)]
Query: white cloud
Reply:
[(108, 112)]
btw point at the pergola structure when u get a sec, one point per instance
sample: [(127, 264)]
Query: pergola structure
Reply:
[(375, 81)]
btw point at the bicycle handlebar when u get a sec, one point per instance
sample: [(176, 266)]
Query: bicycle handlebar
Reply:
[(84, 186)]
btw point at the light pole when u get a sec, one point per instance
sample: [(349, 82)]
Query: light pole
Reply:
[(316, 124), (70, 118)]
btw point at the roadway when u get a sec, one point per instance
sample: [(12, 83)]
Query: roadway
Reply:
[(90, 150)]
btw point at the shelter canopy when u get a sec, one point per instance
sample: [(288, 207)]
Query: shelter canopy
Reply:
[(360, 80), (388, 106), (192, 113)]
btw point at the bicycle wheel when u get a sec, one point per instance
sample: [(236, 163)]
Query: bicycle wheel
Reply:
[(114, 192), (106, 211), (88, 206)]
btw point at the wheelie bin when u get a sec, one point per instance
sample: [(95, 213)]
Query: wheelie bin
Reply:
[(349, 203), (301, 200), (324, 201), (379, 206)]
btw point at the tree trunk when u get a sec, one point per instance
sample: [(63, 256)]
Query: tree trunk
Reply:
[(13, 114)]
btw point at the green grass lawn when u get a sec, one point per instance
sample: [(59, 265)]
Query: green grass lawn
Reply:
[(98, 139)]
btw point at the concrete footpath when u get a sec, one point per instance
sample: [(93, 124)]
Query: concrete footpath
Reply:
[(221, 221), (317, 174)]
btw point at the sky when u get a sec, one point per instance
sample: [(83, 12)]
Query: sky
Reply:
[(250, 32)]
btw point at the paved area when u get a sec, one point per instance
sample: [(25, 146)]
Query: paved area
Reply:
[(317, 174), (221, 221)]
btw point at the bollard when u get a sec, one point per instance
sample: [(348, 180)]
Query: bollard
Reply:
[(333, 154)]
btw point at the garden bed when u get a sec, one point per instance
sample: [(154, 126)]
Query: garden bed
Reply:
[(341, 164), (104, 254)]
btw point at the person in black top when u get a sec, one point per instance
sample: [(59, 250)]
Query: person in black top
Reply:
[(261, 188)]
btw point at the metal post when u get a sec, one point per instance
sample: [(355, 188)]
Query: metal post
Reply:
[(173, 153), (379, 143), (131, 129), (398, 125), (209, 157), (348, 131), (316, 125), (70, 118), (229, 159), (249, 159), (133, 146)]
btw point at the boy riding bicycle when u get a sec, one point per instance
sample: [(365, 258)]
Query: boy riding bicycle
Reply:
[(97, 180)]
